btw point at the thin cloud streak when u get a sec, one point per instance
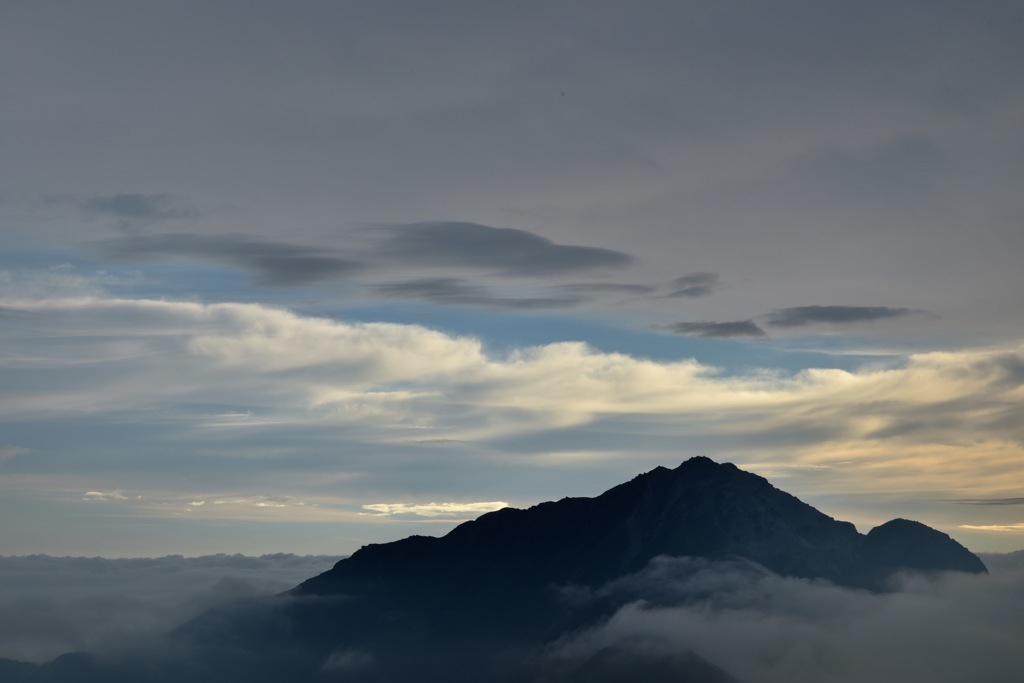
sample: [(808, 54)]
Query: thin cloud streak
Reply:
[(454, 291), (133, 207), (434, 509), (800, 316), (718, 330), (273, 263)]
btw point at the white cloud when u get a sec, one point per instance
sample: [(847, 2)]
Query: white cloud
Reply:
[(435, 509), (994, 527), (104, 496)]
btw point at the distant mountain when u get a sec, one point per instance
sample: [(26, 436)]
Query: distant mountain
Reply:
[(486, 601)]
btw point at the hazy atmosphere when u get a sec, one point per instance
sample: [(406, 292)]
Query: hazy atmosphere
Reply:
[(297, 277)]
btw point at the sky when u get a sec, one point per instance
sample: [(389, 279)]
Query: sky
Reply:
[(297, 277)]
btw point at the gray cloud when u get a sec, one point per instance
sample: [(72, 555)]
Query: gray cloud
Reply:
[(454, 291), (715, 330), (273, 263), (1004, 562), (53, 605), (506, 250), (600, 288), (762, 627), (798, 316), (136, 207), (694, 285)]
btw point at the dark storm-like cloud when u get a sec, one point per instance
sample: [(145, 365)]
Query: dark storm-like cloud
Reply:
[(506, 250), (718, 330), (694, 285), (454, 291), (273, 263), (799, 316)]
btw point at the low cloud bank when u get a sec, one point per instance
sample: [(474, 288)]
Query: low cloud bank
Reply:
[(678, 619), (53, 605), (764, 628)]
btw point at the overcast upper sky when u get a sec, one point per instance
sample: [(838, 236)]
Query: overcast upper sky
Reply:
[(295, 277)]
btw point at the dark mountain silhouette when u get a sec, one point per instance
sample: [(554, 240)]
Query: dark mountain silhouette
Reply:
[(487, 600), (699, 509)]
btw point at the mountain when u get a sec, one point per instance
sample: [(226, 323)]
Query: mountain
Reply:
[(700, 509), (497, 597)]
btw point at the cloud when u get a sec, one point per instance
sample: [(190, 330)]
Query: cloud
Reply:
[(104, 496), (54, 605), (55, 281), (991, 501), (11, 451), (1004, 562), (275, 264), (950, 425), (453, 291), (994, 527), (134, 207), (601, 288), (694, 285), (507, 251), (762, 627), (798, 316), (708, 330), (435, 509)]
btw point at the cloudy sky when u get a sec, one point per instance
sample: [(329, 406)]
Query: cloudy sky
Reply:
[(295, 277)]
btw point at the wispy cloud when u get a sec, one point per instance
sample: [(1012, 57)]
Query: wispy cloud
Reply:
[(718, 330), (799, 316), (138, 207), (273, 263), (11, 451), (694, 285), (104, 496), (454, 291), (606, 288)]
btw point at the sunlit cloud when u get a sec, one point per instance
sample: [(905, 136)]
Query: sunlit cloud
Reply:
[(104, 496), (435, 509), (994, 527)]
